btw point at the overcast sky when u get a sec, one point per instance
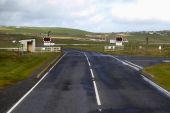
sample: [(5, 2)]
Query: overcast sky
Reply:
[(91, 15)]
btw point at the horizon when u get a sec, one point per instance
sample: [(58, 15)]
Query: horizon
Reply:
[(83, 29)]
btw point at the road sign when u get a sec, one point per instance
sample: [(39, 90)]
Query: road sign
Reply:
[(47, 39)]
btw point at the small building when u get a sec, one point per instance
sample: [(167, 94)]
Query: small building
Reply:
[(28, 45)]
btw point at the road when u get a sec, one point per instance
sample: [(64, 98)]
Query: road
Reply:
[(88, 82), (144, 61)]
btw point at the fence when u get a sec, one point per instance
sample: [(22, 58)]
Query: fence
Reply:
[(48, 49)]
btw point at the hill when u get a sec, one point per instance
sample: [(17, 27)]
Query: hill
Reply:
[(55, 31)]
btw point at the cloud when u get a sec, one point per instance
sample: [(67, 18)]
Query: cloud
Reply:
[(92, 15), (142, 10)]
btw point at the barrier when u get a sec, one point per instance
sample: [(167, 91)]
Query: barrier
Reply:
[(48, 49)]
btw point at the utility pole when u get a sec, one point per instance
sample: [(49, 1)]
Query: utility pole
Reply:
[(147, 41), (48, 33)]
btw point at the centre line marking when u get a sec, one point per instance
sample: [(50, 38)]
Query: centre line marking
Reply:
[(94, 83)]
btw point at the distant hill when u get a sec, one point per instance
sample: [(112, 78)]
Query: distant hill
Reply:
[(55, 31)]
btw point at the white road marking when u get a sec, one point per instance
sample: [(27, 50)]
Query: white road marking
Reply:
[(116, 58), (128, 64), (92, 73), (136, 67), (166, 61), (94, 83), (167, 93), (16, 104), (140, 67), (97, 93)]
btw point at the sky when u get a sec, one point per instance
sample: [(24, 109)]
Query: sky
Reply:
[(90, 15)]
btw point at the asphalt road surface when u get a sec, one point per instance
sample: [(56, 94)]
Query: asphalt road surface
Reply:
[(144, 61), (88, 82)]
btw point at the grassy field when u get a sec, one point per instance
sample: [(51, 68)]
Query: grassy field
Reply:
[(11, 65), (6, 39), (129, 49), (161, 73), (14, 68), (39, 31)]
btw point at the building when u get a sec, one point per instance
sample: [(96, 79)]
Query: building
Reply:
[(28, 45)]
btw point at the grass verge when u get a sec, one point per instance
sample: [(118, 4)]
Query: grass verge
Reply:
[(161, 74), (14, 68), (128, 50)]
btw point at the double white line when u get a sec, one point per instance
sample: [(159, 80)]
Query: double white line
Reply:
[(94, 83), (138, 68)]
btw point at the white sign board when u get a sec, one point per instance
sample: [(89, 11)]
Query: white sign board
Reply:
[(119, 41), (112, 41), (160, 48), (119, 44)]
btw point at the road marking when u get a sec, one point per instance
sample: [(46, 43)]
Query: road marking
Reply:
[(166, 61), (116, 59), (16, 104), (94, 83), (134, 66), (49, 65), (92, 73), (140, 67), (167, 93)]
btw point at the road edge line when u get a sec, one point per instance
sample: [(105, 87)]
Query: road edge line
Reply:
[(157, 86), (47, 68), (140, 67), (26, 94), (128, 64)]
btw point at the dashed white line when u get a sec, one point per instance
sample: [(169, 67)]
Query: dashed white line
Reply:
[(92, 73), (17, 103), (94, 83), (97, 93)]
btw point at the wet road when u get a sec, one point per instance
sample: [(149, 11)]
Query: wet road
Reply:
[(82, 79)]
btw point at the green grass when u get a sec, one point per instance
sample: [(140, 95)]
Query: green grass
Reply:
[(6, 39), (129, 49), (153, 38), (161, 73), (14, 68), (70, 36), (55, 31), (91, 47)]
